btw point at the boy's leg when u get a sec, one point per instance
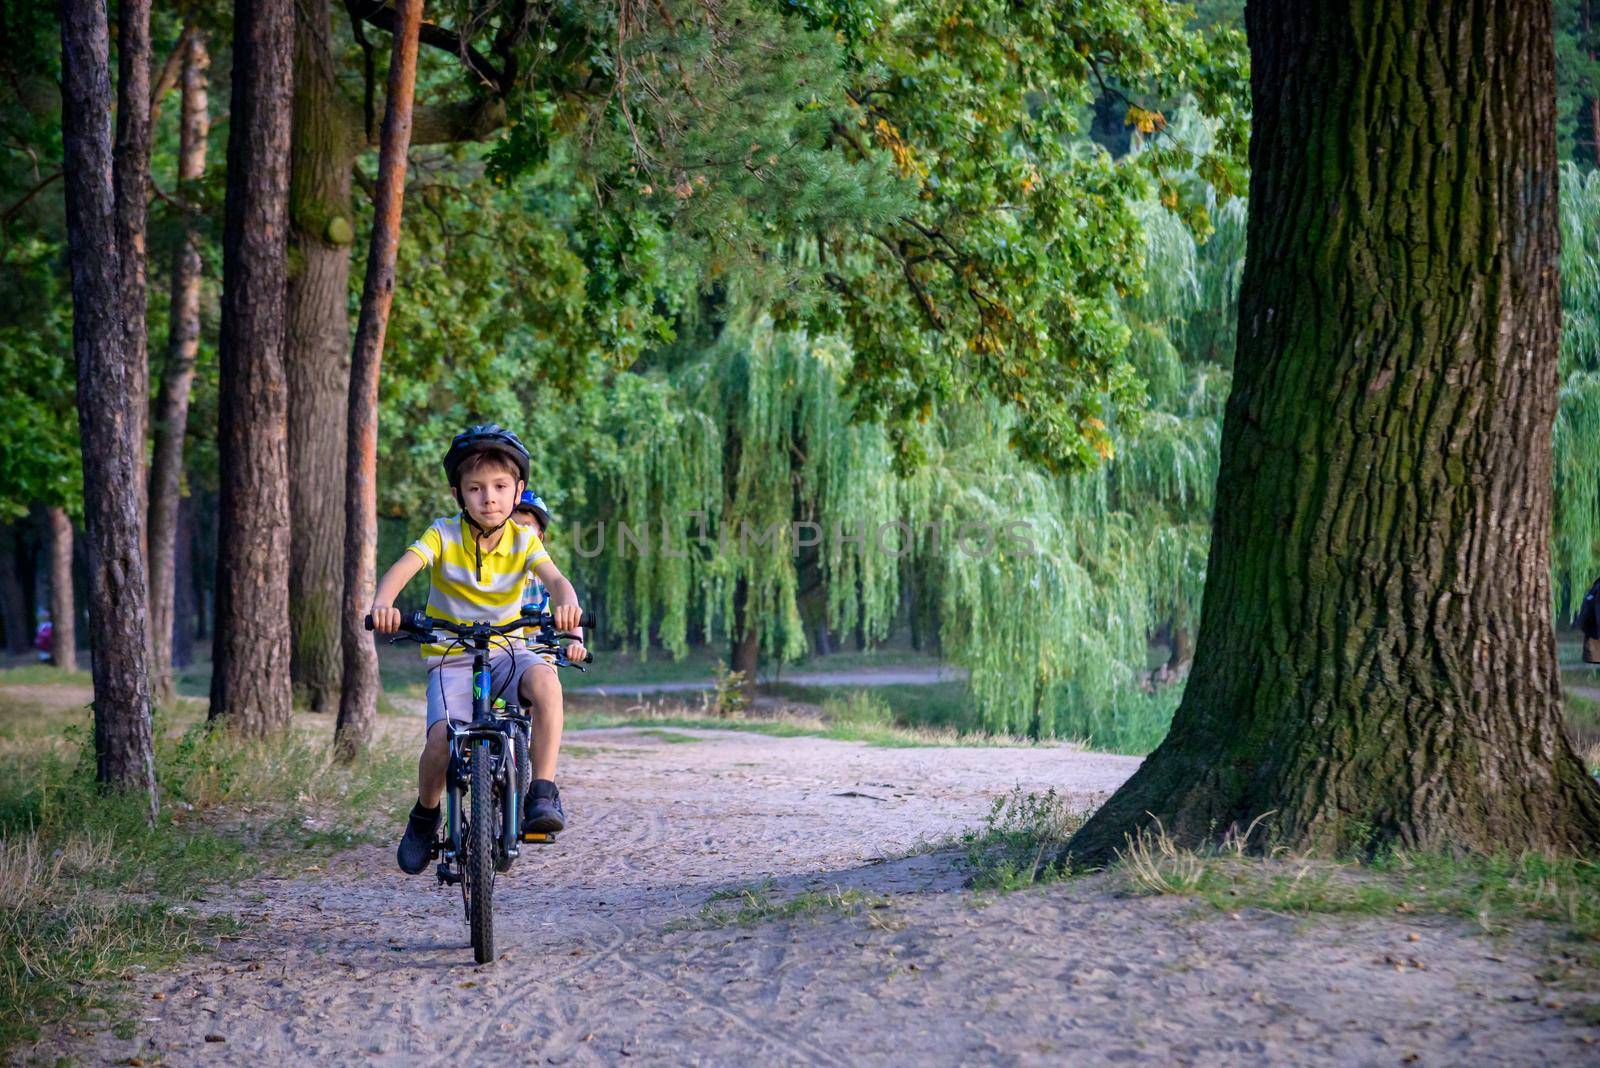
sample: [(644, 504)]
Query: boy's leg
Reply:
[(416, 845), (431, 767), (540, 693)]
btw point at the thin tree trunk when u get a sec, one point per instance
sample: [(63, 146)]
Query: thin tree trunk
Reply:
[(358, 702), (131, 171), (1594, 122), (744, 654), (171, 72), (63, 622), (327, 135), (106, 422), (183, 343), (1182, 650), (250, 682), (185, 597), (1375, 662)]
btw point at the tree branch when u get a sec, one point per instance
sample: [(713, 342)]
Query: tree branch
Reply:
[(378, 13), (467, 120), (168, 78)]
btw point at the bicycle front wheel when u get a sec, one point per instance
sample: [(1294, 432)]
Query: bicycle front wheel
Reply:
[(479, 866)]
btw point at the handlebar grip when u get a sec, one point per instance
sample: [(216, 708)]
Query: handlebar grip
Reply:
[(368, 621), (586, 621)]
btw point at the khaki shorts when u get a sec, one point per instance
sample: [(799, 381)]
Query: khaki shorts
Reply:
[(450, 681)]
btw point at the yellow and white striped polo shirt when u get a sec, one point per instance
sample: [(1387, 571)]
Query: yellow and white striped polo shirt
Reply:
[(458, 591)]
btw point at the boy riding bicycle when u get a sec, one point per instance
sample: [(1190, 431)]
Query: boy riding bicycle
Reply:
[(478, 563)]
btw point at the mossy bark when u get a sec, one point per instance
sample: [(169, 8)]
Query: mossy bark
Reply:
[(1375, 661), (327, 135)]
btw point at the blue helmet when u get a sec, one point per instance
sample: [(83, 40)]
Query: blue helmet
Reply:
[(532, 502)]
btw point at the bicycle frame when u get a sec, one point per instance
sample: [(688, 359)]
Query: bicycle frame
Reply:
[(485, 726)]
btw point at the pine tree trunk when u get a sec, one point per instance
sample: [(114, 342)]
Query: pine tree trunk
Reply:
[(172, 404), (326, 136), (185, 597), (63, 623), (358, 701), (131, 171), (106, 421), (250, 682), (1375, 662)]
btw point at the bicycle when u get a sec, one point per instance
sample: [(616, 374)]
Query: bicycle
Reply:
[(489, 763)]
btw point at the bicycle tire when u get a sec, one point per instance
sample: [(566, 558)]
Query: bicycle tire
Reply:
[(479, 866)]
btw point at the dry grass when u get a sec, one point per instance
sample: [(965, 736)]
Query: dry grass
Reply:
[(90, 888)]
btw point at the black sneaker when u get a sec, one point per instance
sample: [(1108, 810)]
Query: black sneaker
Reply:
[(544, 815), (416, 846)]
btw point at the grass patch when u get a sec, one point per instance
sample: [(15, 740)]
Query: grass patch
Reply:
[(1493, 892), (1019, 840), (587, 713), (91, 889), (1583, 722), (745, 906)]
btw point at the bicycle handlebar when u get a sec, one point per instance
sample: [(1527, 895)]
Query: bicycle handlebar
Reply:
[(422, 626)]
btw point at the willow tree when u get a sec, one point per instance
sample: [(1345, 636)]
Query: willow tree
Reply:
[(1577, 433), (1375, 662)]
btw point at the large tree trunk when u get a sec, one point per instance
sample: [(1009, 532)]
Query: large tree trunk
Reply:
[(1375, 662), (327, 135), (250, 680), (63, 622), (172, 404), (358, 702), (132, 183), (106, 421)]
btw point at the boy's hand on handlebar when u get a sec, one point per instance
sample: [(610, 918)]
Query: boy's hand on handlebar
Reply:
[(577, 653), (385, 618), (566, 616)]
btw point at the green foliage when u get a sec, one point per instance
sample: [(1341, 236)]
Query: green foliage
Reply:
[(1575, 549), (39, 458), (1005, 278), (1577, 34)]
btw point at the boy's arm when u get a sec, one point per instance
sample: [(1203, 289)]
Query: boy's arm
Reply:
[(386, 617), (563, 598)]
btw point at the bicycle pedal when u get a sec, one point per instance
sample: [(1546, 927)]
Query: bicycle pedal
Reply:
[(541, 837)]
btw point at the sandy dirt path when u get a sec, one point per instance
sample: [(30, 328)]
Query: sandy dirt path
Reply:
[(357, 963)]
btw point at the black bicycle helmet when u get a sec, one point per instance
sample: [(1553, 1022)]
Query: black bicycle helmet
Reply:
[(484, 437)]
